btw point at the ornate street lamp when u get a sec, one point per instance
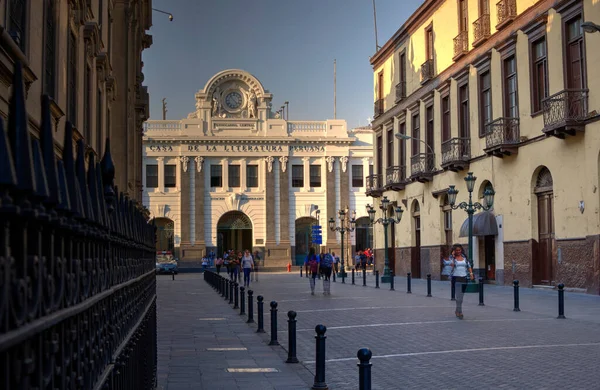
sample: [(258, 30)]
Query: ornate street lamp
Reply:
[(470, 207), (385, 221), (346, 226), (164, 12)]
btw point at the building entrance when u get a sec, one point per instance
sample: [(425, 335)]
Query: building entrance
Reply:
[(304, 238), (234, 231)]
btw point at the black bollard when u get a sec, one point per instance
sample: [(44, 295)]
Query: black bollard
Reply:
[(364, 368), (481, 292), (173, 274), (259, 304), (391, 281), (320, 360), (429, 285), (274, 324), (250, 307), (377, 279), (452, 289), (223, 282), (408, 283), (227, 283), (364, 277), (292, 337), (230, 293), (333, 274), (353, 276), (242, 301), (561, 301), (236, 296), (516, 294), (300, 271)]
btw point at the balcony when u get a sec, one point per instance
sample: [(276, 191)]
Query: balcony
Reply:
[(461, 45), (565, 112), (374, 186), (481, 29), (378, 108), (422, 167), (456, 153), (400, 91), (502, 137), (507, 11), (395, 178), (427, 71)]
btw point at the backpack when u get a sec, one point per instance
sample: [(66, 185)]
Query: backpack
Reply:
[(314, 266), (327, 261)]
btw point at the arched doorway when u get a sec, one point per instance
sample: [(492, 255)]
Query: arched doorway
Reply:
[(234, 231), (304, 238), (415, 263), (364, 234), (542, 269), (165, 234)]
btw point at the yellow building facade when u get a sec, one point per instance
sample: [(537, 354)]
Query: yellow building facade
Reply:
[(508, 91)]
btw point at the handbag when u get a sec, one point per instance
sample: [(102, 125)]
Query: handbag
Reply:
[(472, 286)]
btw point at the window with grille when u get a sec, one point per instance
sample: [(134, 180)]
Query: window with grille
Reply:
[(540, 73), (390, 147), (72, 79), (297, 175), (485, 100), (17, 21), (49, 48), (463, 119), (446, 118), (234, 176), (151, 176), (357, 176), (216, 176), (252, 176), (379, 155), (416, 134), (170, 175), (510, 88), (315, 176)]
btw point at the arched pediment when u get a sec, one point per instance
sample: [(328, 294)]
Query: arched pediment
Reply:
[(231, 75)]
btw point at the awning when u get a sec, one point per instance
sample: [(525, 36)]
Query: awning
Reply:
[(484, 224)]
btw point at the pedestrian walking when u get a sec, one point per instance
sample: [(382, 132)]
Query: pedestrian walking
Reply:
[(247, 266), (239, 267), (219, 264), (446, 268), (312, 263), (326, 266), (336, 262), (461, 270), (234, 264)]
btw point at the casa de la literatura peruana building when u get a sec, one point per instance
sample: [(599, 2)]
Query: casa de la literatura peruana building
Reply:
[(236, 175), (509, 91)]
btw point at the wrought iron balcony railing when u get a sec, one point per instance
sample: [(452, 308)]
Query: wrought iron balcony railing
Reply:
[(481, 29), (566, 110), (395, 177), (502, 132), (374, 184), (456, 152), (400, 90), (427, 71), (461, 45), (507, 10), (378, 107), (422, 165)]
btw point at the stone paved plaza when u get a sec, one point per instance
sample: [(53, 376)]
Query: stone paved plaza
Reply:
[(416, 341)]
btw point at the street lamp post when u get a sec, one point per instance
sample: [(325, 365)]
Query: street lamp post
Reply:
[(164, 12), (346, 226), (385, 221), (471, 207)]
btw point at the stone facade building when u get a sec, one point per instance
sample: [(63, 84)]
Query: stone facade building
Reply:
[(505, 90), (235, 175), (86, 55)]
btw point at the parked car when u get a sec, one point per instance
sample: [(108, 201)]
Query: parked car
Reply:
[(166, 264)]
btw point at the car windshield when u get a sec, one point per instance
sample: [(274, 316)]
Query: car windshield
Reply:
[(165, 259)]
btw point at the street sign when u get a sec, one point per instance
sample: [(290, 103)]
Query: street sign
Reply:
[(316, 235)]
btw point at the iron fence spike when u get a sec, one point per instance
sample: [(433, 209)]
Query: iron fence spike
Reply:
[(108, 176), (8, 176), (47, 146), (41, 184)]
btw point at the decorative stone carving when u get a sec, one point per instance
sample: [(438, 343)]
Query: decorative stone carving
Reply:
[(160, 211), (283, 161), (160, 159), (251, 103), (269, 161), (216, 102), (185, 161), (199, 161), (330, 161), (344, 161), (234, 200)]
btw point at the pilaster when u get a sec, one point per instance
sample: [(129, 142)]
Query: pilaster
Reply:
[(184, 174), (199, 171), (331, 211), (284, 207)]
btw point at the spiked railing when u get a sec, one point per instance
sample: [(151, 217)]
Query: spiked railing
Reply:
[(78, 291)]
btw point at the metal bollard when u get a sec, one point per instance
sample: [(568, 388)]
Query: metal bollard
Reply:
[(223, 282), (429, 285), (237, 295), (333, 274), (377, 279), (292, 337), (391, 280), (173, 274), (274, 324), (319, 382), (561, 301), (227, 283), (242, 301), (516, 294), (260, 306), (364, 368), (364, 277), (300, 271), (408, 283), (481, 292), (452, 289), (230, 293), (352, 276), (250, 307)]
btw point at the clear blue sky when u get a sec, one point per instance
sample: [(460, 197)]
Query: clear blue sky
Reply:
[(289, 45)]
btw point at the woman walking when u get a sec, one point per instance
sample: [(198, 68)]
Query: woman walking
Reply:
[(247, 266), (312, 263), (461, 270)]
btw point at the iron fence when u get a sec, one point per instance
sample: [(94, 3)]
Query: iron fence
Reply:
[(461, 44), (427, 71), (506, 10), (422, 163), (456, 149), (481, 28), (502, 131), (77, 283), (395, 174), (373, 182), (570, 105)]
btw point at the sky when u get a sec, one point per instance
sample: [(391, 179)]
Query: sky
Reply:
[(289, 45)]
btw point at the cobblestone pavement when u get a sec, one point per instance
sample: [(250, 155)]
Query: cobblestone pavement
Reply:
[(417, 342), (192, 319)]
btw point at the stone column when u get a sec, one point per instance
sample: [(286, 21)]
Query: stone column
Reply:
[(284, 206), (275, 255), (331, 242), (345, 202), (184, 175), (199, 171)]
